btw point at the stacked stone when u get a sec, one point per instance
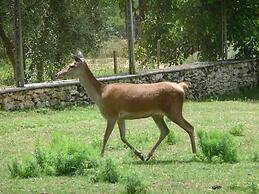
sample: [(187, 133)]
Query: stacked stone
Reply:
[(204, 79), (44, 98)]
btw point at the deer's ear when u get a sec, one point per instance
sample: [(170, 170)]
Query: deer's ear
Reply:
[(79, 53), (78, 59)]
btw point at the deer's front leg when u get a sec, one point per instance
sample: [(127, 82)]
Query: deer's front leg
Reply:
[(108, 131), (121, 124)]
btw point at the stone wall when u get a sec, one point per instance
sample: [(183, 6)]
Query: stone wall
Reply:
[(204, 79)]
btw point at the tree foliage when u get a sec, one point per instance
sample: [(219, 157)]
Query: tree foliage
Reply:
[(194, 26), (53, 29)]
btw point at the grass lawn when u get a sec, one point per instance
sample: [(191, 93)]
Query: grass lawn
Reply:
[(171, 170)]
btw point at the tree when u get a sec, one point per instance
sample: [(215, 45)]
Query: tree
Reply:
[(194, 26), (52, 30), (243, 25), (62, 32), (6, 32)]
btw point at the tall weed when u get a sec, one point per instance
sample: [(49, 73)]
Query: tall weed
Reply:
[(14, 168), (237, 130), (109, 172), (255, 156), (28, 168), (134, 184), (171, 138), (67, 156), (217, 146), (64, 156)]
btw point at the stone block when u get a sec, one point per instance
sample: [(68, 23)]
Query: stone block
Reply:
[(74, 92), (28, 104)]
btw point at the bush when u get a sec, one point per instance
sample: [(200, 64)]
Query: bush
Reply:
[(96, 142), (29, 168), (64, 157), (134, 184), (171, 138), (109, 172), (217, 146), (237, 130), (40, 155), (14, 168), (255, 157), (252, 187)]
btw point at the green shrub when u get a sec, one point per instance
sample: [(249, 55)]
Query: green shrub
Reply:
[(64, 156), (134, 184), (109, 172), (93, 175), (14, 168), (252, 187), (40, 155), (237, 130), (96, 142), (255, 157), (28, 168), (217, 146), (171, 138), (69, 163), (67, 156)]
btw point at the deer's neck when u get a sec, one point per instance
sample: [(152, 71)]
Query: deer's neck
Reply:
[(91, 85)]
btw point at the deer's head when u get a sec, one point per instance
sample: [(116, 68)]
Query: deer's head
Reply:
[(74, 68)]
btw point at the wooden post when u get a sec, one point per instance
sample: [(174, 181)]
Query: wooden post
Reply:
[(130, 34), (115, 62), (18, 45), (158, 53), (224, 30)]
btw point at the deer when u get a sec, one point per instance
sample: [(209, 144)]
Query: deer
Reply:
[(118, 102)]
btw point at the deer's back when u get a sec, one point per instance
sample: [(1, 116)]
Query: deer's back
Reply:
[(143, 99)]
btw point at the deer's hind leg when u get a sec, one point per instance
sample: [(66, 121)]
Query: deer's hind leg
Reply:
[(181, 122)]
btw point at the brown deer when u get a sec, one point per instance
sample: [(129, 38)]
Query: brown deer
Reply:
[(122, 101)]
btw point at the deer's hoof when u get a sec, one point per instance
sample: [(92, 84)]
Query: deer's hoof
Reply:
[(148, 157), (140, 155)]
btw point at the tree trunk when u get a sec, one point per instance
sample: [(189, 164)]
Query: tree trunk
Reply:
[(9, 46), (40, 71), (130, 34), (140, 18), (224, 31)]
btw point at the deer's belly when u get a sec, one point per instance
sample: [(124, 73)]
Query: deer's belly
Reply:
[(138, 115)]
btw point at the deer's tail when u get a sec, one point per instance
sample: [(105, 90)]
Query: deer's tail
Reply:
[(184, 86)]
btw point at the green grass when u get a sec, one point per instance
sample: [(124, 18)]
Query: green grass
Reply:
[(171, 170)]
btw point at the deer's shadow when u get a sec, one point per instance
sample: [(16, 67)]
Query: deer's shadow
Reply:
[(160, 162)]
